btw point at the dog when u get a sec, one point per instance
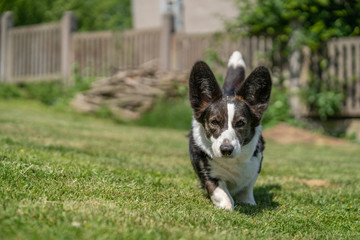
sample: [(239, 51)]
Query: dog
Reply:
[(225, 143)]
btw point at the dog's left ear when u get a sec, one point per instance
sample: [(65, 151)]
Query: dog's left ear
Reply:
[(256, 90)]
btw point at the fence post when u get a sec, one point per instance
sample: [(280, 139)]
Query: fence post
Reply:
[(165, 41), (295, 67), (6, 24), (68, 25)]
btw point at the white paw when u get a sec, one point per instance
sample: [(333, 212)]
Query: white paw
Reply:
[(222, 199)]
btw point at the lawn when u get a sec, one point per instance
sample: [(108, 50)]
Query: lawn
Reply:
[(68, 176)]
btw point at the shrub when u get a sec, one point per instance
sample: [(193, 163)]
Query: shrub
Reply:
[(174, 113), (323, 99), (8, 91), (45, 92), (49, 93), (279, 108)]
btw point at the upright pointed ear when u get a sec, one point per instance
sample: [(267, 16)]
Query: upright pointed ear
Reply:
[(256, 90), (203, 88)]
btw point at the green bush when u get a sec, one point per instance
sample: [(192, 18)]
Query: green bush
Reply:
[(8, 91), (49, 93), (173, 113), (324, 103), (279, 109), (322, 98), (45, 92)]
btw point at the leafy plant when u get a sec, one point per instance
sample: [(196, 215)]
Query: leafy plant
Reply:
[(46, 92), (49, 93), (325, 102), (90, 14), (8, 91), (279, 109), (310, 22), (175, 113)]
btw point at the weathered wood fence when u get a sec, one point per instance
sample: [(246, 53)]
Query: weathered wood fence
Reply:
[(344, 71), (55, 51)]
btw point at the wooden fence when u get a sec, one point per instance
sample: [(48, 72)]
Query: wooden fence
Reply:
[(344, 72), (34, 53), (189, 48), (103, 53), (54, 51)]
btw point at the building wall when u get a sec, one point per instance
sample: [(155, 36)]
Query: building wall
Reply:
[(146, 14), (199, 16), (205, 16)]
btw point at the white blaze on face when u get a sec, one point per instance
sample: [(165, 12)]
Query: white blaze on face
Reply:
[(229, 134)]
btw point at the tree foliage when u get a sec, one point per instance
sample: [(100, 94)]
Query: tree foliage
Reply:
[(90, 14), (312, 21)]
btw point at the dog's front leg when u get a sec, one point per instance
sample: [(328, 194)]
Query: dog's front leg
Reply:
[(215, 188), (221, 197)]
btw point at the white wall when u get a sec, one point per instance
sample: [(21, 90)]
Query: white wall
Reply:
[(203, 16), (146, 14), (199, 16)]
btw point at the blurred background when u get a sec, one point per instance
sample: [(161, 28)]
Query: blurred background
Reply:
[(130, 60)]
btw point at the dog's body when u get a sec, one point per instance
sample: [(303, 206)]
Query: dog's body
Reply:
[(226, 144)]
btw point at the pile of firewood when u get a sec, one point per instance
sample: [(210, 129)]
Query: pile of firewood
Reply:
[(128, 94)]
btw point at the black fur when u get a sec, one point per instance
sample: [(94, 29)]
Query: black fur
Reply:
[(234, 78)]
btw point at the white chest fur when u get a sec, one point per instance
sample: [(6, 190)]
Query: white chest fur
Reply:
[(237, 172)]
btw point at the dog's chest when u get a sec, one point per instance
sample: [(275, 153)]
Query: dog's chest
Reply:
[(237, 173)]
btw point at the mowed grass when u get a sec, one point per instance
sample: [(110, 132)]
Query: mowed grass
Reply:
[(67, 176)]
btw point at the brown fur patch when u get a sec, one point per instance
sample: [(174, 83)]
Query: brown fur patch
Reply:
[(240, 98)]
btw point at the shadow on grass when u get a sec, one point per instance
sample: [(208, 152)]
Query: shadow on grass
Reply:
[(264, 198)]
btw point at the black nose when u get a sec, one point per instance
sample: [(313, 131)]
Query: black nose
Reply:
[(226, 149)]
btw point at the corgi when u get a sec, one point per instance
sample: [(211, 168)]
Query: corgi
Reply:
[(225, 143)]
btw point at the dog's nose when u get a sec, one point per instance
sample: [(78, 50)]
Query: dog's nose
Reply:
[(226, 148)]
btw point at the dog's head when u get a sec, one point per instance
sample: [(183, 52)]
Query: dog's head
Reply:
[(229, 116)]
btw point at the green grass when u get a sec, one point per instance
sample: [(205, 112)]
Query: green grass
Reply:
[(67, 176)]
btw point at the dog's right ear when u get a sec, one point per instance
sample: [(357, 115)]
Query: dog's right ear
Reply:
[(203, 88)]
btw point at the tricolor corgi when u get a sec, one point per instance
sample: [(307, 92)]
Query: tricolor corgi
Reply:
[(226, 145)]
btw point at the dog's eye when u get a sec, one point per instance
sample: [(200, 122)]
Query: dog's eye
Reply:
[(214, 122), (240, 124)]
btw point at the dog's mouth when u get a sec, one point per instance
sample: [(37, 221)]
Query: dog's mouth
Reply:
[(227, 155)]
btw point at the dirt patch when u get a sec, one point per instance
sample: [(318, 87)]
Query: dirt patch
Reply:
[(310, 182), (287, 134), (315, 182)]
